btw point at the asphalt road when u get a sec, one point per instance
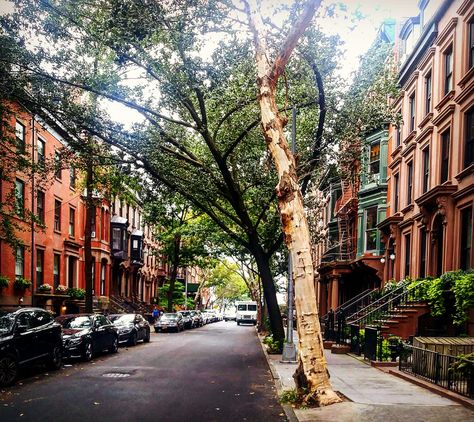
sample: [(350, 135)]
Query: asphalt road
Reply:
[(214, 373)]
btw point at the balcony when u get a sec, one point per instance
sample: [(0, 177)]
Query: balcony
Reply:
[(119, 238), (136, 254)]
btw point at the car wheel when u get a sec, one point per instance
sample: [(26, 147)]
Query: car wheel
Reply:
[(56, 359), (133, 339), (114, 347), (147, 337), (8, 370), (238, 323), (88, 352), (157, 331)]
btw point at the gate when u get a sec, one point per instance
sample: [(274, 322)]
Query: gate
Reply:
[(370, 347)]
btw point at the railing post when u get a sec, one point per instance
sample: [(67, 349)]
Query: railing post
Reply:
[(437, 368), (380, 342)]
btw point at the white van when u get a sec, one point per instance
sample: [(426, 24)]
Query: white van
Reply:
[(246, 312)]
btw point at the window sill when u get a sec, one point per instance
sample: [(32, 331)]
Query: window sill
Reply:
[(411, 136), (407, 208), (57, 231), (464, 173), (449, 96), (425, 120)]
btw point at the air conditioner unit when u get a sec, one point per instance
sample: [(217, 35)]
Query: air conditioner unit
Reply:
[(92, 234)]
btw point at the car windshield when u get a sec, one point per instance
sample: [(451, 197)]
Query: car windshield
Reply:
[(122, 319), (242, 307), (169, 316), (75, 322), (252, 307), (6, 322), (185, 313)]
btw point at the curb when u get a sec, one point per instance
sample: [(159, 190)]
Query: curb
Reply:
[(469, 403), (289, 412)]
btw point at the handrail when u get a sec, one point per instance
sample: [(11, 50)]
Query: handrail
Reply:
[(376, 303), (351, 301), (404, 297)]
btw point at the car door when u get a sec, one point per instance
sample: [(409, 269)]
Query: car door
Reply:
[(25, 338), (140, 323), (99, 334), (42, 324), (107, 331)]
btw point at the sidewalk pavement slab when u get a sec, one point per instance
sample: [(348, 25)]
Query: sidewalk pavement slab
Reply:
[(373, 395)]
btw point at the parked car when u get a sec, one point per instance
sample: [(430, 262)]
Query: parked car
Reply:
[(28, 336), (187, 319), (211, 315), (170, 321), (131, 328), (87, 334), (197, 318), (229, 315)]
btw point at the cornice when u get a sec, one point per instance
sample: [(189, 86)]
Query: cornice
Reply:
[(465, 5), (464, 192), (466, 78), (466, 92), (406, 223), (410, 136), (466, 172), (427, 131), (448, 111), (439, 190), (408, 149), (444, 100), (425, 120), (428, 56), (412, 79), (444, 34), (395, 163)]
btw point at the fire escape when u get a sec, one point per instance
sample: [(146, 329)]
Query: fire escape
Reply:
[(346, 214)]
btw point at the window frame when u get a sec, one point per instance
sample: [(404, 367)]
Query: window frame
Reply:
[(468, 138), (428, 93), (20, 141), (367, 230), (72, 222), (445, 139), (396, 192), (57, 215), (465, 238), (409, 182), (426, 169), (470, 45), (58, 172), (20, 262), (56, 269), (19, 198), (374, 162), (407, 256), (41, 152), (448, 73), (40, 272), (40, 205), (412, 110)]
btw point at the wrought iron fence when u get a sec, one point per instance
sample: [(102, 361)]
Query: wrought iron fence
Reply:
[(450, 372)]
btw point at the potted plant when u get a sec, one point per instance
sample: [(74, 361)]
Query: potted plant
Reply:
[(4, 281), (76, 292), (45, 288), (61, 289), (21, 283)]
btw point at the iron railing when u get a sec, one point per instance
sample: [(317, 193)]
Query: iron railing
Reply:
[(450, 372), (387, 305)]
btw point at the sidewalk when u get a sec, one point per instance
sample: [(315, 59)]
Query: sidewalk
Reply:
[(374, 395)]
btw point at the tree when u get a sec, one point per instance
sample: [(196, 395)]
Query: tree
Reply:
[(199, 135), (312, 372)]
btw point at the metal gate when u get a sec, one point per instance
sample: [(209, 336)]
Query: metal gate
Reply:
[(370, 348)]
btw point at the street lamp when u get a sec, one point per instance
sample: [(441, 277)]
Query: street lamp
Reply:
[(289, 349)]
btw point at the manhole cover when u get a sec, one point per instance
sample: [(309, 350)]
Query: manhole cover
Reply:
[(116, 375)]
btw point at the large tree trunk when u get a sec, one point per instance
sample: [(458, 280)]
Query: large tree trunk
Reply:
[(312, 372), (269, 293), (174, 271)]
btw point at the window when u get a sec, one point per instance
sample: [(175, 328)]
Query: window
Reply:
[(20, 261), (396, 180), (72, 178), (469, 146), (57, 165), (471, 44), (57, 215), (423, 238), (448, 70), (374, 159), (428, 93), (398, 135), (93, 226), (41, 153), (102, 278), (20, 137), (56, 269), (40, 206), (116, 238), (39, 267), (409, 183), (445, 141), (466, 238), (19, 198), (371, 229), (426, 169), (407, 254), (72, 222), (412, 112)]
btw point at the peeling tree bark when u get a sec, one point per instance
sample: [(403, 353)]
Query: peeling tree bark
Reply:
[(312, 375)]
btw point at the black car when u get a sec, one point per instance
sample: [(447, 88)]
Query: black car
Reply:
[(28, 335), (131, 328), (188, 320), (170, 321), (87, 334)]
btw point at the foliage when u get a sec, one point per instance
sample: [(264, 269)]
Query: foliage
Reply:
[(464, 364), (177, 298), (21, 283), (45, 287), (76, 292), (463, 289), (274, 346), (4, 281), (386, 352)]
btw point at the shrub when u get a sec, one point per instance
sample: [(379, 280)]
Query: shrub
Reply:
[(76, 293), (4, 281), (273, 346), (463, 289), (21, 283)]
